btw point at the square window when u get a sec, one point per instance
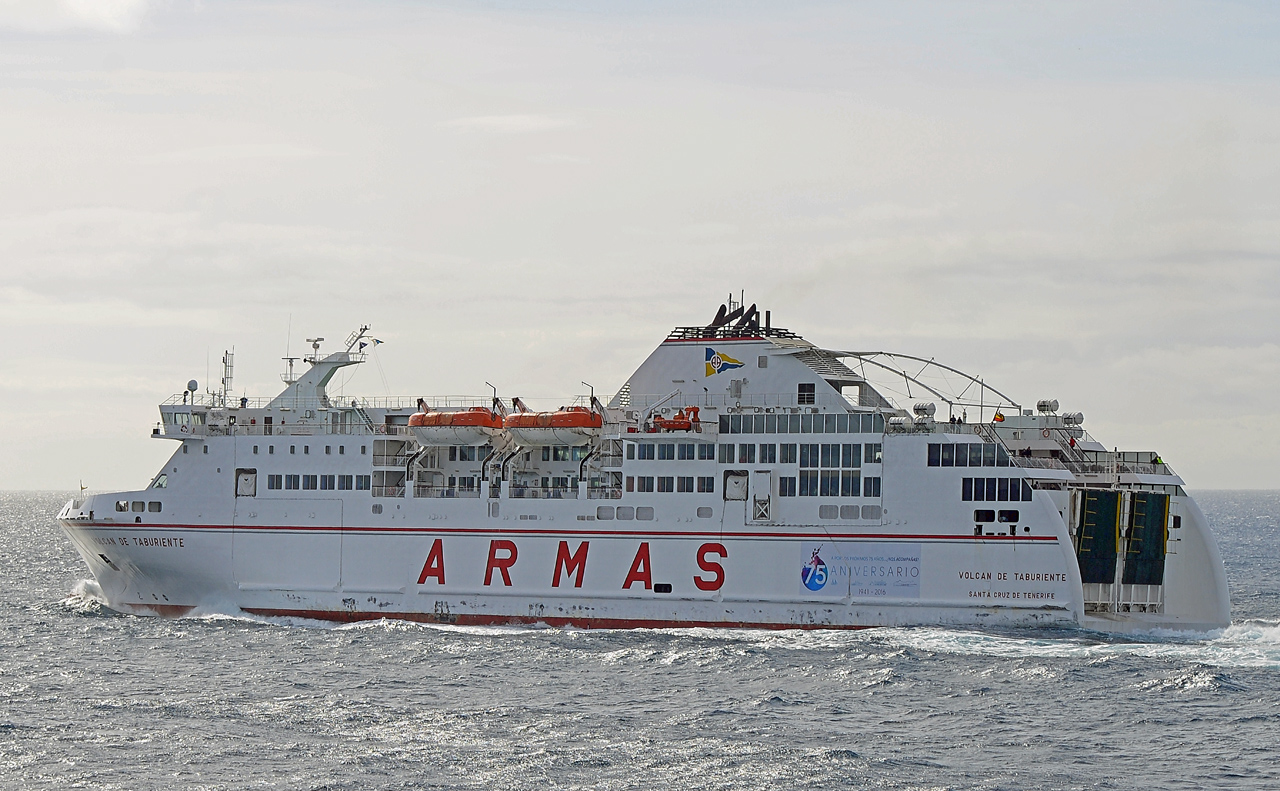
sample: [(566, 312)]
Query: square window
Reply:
[(275, 482), (769, 454), (706, 483), (786, 487), (293, 481), (808, 483), (850, 483), (644, 483), (685, 452), (666, 484), (344, 482), (646, 450), (829, 483), (726, 454), (805, 393), (362, 481), (310, 482), (666, 451), (328, 481), (871, 487), (809, 456), (746, 453), (706, 452), (684, 484), (787, 453)]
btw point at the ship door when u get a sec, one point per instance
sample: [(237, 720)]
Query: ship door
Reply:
[(762, 496)]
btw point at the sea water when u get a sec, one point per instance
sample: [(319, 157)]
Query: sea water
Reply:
[(93, 699)]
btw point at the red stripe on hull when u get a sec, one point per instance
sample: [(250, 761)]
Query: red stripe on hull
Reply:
[(345, 616), (825, 535)]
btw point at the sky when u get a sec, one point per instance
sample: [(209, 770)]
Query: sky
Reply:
[(1077, 201)]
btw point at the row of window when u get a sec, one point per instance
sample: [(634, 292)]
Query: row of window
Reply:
[(974, 454), (563, 452), (669, 483), (993, 490), (808, 454), (306, 450), (802, 424), (322, 482), (828, 483), (471, 452), (138, 506), (669, 451)]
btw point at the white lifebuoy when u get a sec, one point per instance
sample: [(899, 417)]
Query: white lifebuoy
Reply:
[(1044, 433)]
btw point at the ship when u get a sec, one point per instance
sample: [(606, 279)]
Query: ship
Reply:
[(741, 477)]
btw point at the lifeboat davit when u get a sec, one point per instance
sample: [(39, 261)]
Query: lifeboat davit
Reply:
[(573, 425), (474, 426)]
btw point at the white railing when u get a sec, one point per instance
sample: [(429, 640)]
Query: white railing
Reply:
[(445, 492), (541, 493)]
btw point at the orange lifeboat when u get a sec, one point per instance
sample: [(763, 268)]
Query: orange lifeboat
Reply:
[(682, 420), (573, 425), (474, 426)]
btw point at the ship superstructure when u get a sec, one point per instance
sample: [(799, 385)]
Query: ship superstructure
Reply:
[(742, 476)]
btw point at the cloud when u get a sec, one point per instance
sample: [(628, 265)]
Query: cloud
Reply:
[(43, 16), (509, 124), (226, 153)]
